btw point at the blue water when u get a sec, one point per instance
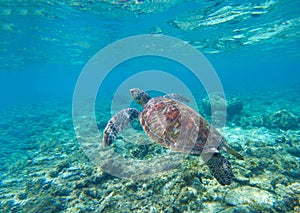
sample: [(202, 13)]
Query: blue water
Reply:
[(254, 47), (45, 45)]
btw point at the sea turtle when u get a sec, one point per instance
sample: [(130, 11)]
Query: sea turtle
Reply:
[(174, 125)]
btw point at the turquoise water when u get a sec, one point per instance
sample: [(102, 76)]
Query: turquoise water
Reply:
[(45, 45)]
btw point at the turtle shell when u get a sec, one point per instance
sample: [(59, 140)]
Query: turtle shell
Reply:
[(177, 126)]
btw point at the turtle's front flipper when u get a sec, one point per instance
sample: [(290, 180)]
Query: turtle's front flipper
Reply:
[(117, 124), (220, 168)]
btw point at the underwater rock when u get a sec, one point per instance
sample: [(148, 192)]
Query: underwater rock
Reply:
[(262, 183), (295, 187), (242, 180), (241, 209), (67, 175), (36, 185), (22, 196), (99, 177), (291, 201), (44, 203), (234, 106), (62, 165), (295, 150), (281, 119), (218, 119), (198, 184), (266, 152), (217, 104), (73, 168), (213, 207), (93, 193), (52, 173), (236, 209), (289, 197), (187, 194), (60, 190), (249, 195), (7, 205), (81, 184), (39, 160)]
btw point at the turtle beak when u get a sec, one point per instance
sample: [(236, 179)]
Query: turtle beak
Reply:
[(133, 93), (136, 94)]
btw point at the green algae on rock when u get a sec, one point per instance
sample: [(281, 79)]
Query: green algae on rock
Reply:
[(234, 106), (282, 119)]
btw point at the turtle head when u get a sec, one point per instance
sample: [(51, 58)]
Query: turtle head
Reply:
[(139, 96)]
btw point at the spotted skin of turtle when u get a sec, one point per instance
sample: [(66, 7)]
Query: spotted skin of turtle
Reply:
[(118, 123), (176, 126)]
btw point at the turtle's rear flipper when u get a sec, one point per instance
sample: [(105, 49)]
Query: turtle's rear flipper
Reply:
[(117, 124), (220, 168)]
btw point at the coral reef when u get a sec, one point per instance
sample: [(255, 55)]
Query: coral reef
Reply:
[(45, 170), (282, 119), (234, 106)]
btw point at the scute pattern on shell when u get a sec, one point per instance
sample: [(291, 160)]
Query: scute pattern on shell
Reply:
[(178, 127)]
